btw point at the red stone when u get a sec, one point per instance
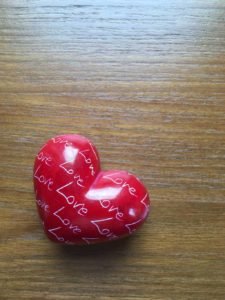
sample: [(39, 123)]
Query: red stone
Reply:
[(79, 203)]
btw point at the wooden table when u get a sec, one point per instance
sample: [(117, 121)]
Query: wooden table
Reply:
[(145, 81)]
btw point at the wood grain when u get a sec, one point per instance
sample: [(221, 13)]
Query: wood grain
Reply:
[(145, 81)]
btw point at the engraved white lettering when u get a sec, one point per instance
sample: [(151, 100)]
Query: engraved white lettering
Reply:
[(79, 180), (122, 182), (80, 207), (88, 161), (53, 231), (44, 158), (93, 150), (60, 140), (66, 222), (42, 205), (41, 178), (70, 171), (119, 214), (143, 201), (64, 195), (104, 231), (128, 226), (107, 204)]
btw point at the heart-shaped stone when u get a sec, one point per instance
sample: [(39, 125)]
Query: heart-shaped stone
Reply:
[(80, 204)]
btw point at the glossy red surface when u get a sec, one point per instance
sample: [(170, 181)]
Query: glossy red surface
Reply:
[(79, 203)]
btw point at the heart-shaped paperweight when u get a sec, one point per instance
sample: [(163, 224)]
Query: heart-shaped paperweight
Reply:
[(78, 202)]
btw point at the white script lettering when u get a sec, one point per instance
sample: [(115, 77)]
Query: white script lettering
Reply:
[(105, 231), (88, 161), (122, 182), (107, 204), (80, 207), (60, 140), (42, 205), (66, 222), (70, 171), (44, 158), (41, 178)]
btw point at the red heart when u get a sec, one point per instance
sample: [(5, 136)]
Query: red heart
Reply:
[(80, 204)]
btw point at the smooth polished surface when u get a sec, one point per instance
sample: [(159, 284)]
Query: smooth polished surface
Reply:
[(144, 80), (78, 202)]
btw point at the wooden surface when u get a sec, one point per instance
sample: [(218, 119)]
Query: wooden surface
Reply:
[(145, 81)]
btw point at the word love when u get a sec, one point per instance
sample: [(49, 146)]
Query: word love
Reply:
[(43, 205), (88, 161), (57, 237), (79, 203), (80, 207), (107, 204), (42, 179), (44, 158), (104, 231), (122, 183), (61, 140), (65, 221), (70, 171)]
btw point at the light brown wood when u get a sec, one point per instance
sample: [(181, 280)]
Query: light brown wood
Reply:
[(145, 81)]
